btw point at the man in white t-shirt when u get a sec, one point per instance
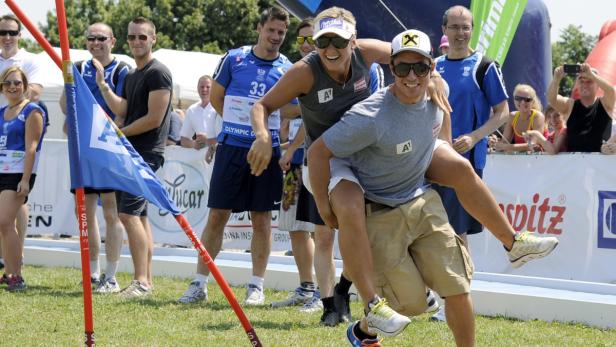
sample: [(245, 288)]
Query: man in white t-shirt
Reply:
[(201, 124), (12, 55)]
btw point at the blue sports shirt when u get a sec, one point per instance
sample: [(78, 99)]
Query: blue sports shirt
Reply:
[(246, 78), (13, 139), (115, 73), (472, 97)]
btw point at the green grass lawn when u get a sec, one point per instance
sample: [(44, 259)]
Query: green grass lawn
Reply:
[(50, 313)]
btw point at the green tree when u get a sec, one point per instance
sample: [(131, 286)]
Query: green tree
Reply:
[(212, 26), (572, 47)]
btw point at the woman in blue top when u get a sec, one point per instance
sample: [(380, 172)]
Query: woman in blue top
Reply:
[(21, 133)]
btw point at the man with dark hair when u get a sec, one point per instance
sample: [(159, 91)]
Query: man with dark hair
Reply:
[(99, 42), (142, 112), (242, 77), (12, 55)]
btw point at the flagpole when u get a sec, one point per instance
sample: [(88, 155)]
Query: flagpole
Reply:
[(79, 191), (207, 259)]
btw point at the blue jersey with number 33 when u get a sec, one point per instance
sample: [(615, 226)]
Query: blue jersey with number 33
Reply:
[(246, 78)]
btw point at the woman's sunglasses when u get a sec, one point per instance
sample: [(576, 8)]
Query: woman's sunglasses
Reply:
[(522, 98), (337, 41)]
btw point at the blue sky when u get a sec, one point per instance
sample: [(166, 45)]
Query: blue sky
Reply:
[(590, 14)]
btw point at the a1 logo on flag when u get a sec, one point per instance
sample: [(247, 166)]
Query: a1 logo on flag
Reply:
[(103, 134)]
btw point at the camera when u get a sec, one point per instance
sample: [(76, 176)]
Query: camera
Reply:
[(571, 69)]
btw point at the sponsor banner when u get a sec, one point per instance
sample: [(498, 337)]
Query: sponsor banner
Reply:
[(569, 196), (496, 22)]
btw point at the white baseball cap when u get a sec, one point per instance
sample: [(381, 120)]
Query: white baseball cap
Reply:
[(330, 25), (412, 41)]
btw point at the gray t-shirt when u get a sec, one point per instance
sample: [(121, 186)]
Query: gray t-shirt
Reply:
[(389, 145)]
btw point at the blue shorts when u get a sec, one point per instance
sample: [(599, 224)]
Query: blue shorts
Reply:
[(460, 220), (234, 188)]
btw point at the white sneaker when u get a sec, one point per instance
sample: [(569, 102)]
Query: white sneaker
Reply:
[(135, 290), (439, 316), (431, 301), (254, 296), (383, 320), (314, 305), (296, 298), (194, 293), (527, 247), (107, 285)]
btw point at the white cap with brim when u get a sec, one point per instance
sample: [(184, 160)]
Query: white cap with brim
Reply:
[(412, 41), (338, 26)]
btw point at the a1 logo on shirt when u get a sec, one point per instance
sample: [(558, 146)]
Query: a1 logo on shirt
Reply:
[(404, 147), (325, 95)]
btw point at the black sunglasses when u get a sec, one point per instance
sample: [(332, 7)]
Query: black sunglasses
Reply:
[(134, 37), (97, 38), (521, 98), (9, 32), (302, 39), (8, 83), (420, 69), (338, 42)]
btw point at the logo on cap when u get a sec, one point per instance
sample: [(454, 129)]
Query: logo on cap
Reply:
[(331, 23), (410, 40)]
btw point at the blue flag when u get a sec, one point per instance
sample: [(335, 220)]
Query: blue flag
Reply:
[(100, 156)]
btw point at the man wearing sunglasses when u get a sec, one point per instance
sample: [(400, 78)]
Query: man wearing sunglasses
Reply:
[(142, 112), (12, 55), (99, 42), (389, 140)]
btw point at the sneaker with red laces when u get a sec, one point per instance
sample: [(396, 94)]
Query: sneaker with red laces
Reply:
[(16, 284)]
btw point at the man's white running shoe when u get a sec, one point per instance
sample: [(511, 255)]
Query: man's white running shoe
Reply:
[(254, 296), (527, 247), (296, 298), (107, 285), (194, 293), (383, 320), (431, 301), (439, 316)]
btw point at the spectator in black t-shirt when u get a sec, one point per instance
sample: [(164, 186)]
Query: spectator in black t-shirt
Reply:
[(142, 112), (588, 118)]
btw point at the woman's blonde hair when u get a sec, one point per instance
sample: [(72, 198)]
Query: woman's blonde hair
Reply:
[(335, 12), (10, 70), (536, 103)]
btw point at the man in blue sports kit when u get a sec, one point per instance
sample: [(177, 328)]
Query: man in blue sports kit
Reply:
[(242, 77), (100, 42)]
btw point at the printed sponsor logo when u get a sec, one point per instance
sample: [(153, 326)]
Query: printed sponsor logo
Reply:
[(186, 186), (404, 147), (325, 95), (540, 216), (40, 216), (331, 23), (606, 220)]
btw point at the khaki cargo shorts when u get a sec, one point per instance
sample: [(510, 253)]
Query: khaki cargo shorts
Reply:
[(413, 246)]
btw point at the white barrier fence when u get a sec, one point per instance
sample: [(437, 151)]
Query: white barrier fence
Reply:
[(570, 196)]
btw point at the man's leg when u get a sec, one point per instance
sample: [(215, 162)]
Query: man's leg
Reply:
[(260, 247), (113, 241), (150, 242), (303, 253), (94, 236), (138, 245), (461, 319), (211, 238), (324, 267)]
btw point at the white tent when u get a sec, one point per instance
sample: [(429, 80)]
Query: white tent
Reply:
[(185, 67)]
